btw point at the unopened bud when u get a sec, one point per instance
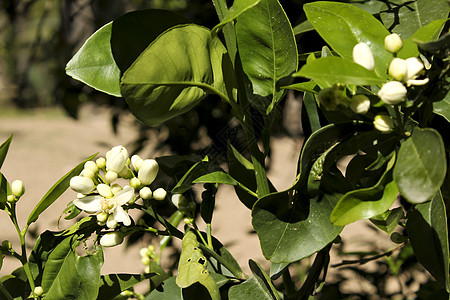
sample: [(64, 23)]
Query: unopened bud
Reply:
[(88, 173), (11, 198), (17, 188), (145, 260), (112, 239), (82, 184), (145, 193), (360, 104), (393, 92), (101, 162), (6, 245), (116, 159), (159, 194), (136, 162), (363, 56), (91, 166), (111, 222), (135, 183), (383, 123), (393, 43), (102, 217), (38, 291), (148, 170), (115, 188), (104, 190), (397, 68), (111, 176)]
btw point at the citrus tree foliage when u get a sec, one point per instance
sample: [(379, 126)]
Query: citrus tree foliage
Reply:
[(378, 92)]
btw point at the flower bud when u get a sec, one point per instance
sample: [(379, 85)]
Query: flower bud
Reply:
[(177, 199), (392, 92), (126, 173), (360, 104), (112, 239), (136, 162), (102, 217), (115, 188), (143, 252), (397, 68), (111, 176), (145, 260), (383, 123), (393, 43), (145, 193), (38, 291), (363, 56), (104, 190), (6, 245), (91, 166), (148, 170), (111, 222), (327, 99), (413, 69), (17, 188), (159, 194), (135, 183), (116, 159), (101, 162), (88, 173), (11, 198), (82, 184)]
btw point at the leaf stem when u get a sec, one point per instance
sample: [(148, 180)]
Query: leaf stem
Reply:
[(236, 273)]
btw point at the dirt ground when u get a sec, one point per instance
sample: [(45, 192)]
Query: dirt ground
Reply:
[(47, 144)]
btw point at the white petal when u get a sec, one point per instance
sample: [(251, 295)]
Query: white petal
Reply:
[(89, 203), (121, 215), (126, 195)]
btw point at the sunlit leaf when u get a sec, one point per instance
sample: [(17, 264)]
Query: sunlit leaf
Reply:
[(238, 7), (113, 284)]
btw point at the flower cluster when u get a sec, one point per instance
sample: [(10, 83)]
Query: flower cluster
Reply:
[(148, 254), (99, 193)]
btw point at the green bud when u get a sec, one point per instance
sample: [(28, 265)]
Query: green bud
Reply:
[(101, 162)]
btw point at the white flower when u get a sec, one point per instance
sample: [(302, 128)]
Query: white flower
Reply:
[(383, 123), (112, 239), (113, 205), (363, 56), (398, 68), (17, 188), (104, 190), (392, 92), (160, 194), (116, 159), (147, 171), (413, 67), (360, 104), (82, 184), (393, 43)]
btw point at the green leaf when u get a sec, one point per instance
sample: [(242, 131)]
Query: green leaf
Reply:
[(197, 170), (291, 228), (174, 73), (303, 27), (421, 165), (3, 191), (169, 290), (343, 26), (94, 64), (4, 149), (338, 70), (406, 17), (267, 49), (193, 267), (426, 33), (427, 230), (216, 177), (69, 276), (442, 107), (389, 220), (15, 287), (239, 7), (113, 284), (134, 31), (262, 277), (56, 190), (309, 86), (367, 202), (276, 269)]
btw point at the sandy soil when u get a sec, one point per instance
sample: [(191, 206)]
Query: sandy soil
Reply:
[(46, 145)]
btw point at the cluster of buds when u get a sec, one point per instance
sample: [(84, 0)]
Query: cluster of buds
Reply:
[(17, 190), (148, 254), (100, 194)]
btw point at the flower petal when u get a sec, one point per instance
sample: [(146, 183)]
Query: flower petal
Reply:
[(120, 215), (126, 195), (89, 203)]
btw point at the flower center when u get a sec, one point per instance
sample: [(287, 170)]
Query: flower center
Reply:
[(108, 205)]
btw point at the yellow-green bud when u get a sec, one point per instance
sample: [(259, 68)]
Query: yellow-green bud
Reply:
[(145, 193), (112, 239), (145, 260), (360, 104), (383, 123), (159, 194), (6, 245), (11, 198), (392, 92), (393, 43), (363, 56), (17, 188), (91, 166), (136, 162), (397, 68), (111, 222), (88, 173), (102, 217), (148, 170), (38, 291), (82, 184), (111, 176), (115, 188), (135, 183), (101, 162)]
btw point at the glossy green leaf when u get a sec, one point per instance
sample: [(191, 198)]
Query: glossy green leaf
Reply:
[(371, 6), (113, 284), (56, 190), (4, 150), (238, 7), (267, 49), (134, 31), (192, 267), (174, 73), (291, 228), (303, 27), (442, 107), (389, 220), (421, 165), (69, 276), (14, 288), (343, 26), (197, 170), (276, 269), (406, 17), (262, 277), (216, 177), (309, 86), (426, 33), (338, 70), (168, 290), (3, 191), (367, 202), (94, 64), (427, 230)]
